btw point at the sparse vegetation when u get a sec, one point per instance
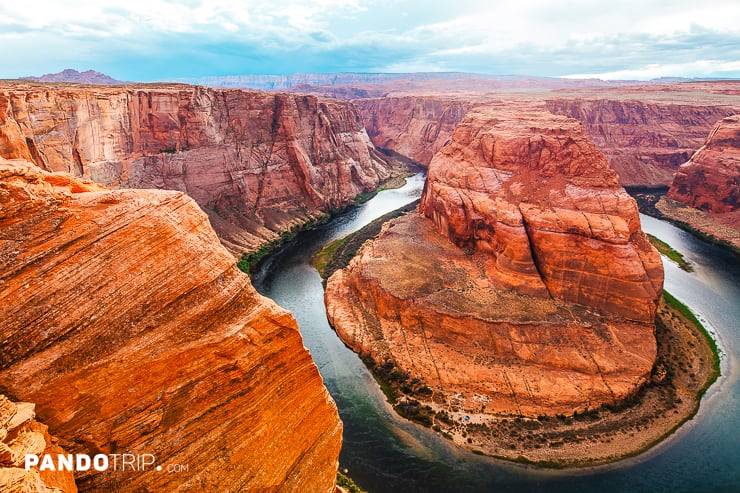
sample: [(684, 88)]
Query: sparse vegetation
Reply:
[(346, 482), (673, 302), (324, 256), (337, 254), (249, 261), (680, 376), (390, 183), (667, 250)]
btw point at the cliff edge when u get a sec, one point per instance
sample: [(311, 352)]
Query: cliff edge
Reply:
[(130, 326)]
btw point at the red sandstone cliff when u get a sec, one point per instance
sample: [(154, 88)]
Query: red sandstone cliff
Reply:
[(526, 285), (129, 325), (646, 139), (415, 126), (710, 180), (258, 163)]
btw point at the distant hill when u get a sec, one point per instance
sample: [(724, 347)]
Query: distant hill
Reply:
[(71, 75)]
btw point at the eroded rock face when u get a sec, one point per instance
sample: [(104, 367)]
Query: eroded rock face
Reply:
[(258, 163), (415, 126), (644, 140), (20, 435), (129, 325), (710, 180), (530, 189), (525, 284)]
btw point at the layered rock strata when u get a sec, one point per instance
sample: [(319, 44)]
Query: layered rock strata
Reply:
[(525, 286), (21, 435), (258, 163), (414, 126), (646, 135), (129, 325), (647, 139), (710, 180)]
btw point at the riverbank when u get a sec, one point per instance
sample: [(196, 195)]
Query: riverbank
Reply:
[(719, 229), (400, 170), (687, 364), (670, 252), (337, 254)]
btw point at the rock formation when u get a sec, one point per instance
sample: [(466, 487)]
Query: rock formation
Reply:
[(710, 180), (21, 434), (129, 325), (645, 138), (525, 286), (414, 126), (258, 163)]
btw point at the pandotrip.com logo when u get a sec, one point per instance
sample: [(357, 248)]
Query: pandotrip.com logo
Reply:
[(100, 462)]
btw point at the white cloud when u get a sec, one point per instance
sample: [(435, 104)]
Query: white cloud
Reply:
[(539, 37), (697, 68)]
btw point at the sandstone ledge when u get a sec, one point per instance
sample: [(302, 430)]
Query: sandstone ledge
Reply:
[(21, 434)]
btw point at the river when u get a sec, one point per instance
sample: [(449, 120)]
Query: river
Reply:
[(386, 453)]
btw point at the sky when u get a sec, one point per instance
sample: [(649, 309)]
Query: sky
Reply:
[(150, 40)]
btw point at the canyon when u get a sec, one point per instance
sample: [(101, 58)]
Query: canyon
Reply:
[(414, 126), (645, 131), (259, 164), (524, 285), (648, 132), (132, 330)]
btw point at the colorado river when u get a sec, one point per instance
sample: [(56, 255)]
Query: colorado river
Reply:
[(386, 453)]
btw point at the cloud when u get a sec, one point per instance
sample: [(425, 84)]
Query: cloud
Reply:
[(157, 39)]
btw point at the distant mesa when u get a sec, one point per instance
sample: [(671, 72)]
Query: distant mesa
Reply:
[(73, 76), (325, 84)]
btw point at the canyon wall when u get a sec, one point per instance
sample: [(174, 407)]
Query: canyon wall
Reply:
[(645, 139), (414, 126), (258, 163), (131, 328), (710, 180), (525, 283)]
